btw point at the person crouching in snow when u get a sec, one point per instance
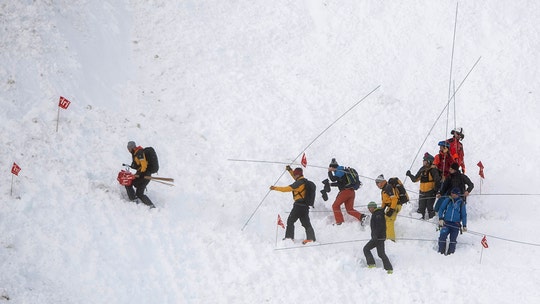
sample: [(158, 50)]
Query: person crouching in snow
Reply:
[(378, 236), (300, 208), (452, 220)]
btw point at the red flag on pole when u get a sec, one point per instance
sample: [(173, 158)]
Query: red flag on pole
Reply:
[(481, 172), (280, 222), (304, 160), (63, 103), (15, 169), (484, 242)]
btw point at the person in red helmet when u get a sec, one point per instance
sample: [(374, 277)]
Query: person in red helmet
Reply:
[(456, 147)]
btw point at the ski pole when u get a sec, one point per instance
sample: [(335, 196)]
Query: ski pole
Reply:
[(300, 154)]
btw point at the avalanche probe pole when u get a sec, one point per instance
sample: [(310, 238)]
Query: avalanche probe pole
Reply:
[(300, 154)]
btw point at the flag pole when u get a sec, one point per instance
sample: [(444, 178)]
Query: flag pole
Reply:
[(11, 192), (276, 234), (57, 119)]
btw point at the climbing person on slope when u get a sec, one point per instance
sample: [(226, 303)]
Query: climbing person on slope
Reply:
[(456, 147), (300, 208), (430, 180), (390, 199)]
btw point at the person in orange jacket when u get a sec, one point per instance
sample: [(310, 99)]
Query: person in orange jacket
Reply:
[(456, 147), (389, 198)]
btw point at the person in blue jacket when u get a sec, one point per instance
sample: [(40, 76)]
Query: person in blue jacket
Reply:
[(452, 220)]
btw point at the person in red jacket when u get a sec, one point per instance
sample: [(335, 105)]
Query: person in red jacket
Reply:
[(456, 147), (443, 160)]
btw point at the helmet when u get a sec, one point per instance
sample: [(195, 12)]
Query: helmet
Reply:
[(444, 143), (458, 131)]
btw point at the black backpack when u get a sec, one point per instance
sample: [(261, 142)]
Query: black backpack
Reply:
[(397, 184), (352, 179), (311, 189), (152, 159)]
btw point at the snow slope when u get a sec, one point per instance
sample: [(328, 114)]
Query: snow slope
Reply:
[(205, 82)]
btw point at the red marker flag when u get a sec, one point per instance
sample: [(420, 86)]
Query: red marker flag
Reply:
[(481, 172), (63, 103), (304, 160), (15, 169), (280, 222), (484, 242)]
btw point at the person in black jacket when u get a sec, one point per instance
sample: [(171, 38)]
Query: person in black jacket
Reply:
[(430, 180), (378, 236), (458, 180)]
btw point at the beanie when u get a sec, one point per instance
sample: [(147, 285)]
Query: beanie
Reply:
[(333, 163), (298, 171), (455, 166), (131, 145), (428, 157), (379, 179), (372, 205)]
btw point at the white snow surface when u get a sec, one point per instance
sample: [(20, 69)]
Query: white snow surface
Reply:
[(204, 82)]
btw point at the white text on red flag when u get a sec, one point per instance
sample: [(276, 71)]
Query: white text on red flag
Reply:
[(63, 103), (15, 169)]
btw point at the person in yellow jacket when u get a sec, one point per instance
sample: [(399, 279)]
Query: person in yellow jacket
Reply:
[(300, 208), (389, 198)]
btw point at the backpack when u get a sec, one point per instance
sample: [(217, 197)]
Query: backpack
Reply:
[(397, 184), (352, 179), (152, 159), (311, 189)]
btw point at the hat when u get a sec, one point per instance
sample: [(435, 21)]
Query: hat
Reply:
[(379, 179), (333, 163), (131, 145), (455, 166), (372, 205), (458, 131), (444, 143), (298, 171), (456, 190), (428, 157)]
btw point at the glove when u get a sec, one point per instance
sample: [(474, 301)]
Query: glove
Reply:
[(464, 229), (389, 212), (409, 174), (324, 195), (288, 168), (441, 223), (272, 188)]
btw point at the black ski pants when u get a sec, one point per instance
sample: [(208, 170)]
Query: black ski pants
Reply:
[(299, 211), (379, 244)]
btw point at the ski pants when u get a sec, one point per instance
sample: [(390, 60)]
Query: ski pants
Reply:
[(451, 229), (390, 232), (345, 196), (426, 201), (139, 184), (299, 211), (379, 244)]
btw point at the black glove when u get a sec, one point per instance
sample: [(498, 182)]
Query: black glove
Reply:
[(389, 212), (326, 183), (288, 168), (409, 174), (324, 195)]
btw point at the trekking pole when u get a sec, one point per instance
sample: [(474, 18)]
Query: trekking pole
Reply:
[(303, 150)]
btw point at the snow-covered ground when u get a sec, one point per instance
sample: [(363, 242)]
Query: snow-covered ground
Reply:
[(204, 82)]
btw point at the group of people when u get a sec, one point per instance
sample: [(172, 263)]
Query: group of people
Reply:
[(443, 191)]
